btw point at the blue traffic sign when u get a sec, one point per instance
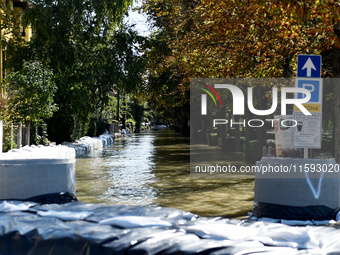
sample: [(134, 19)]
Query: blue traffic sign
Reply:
[(309, 66), (313, 85)]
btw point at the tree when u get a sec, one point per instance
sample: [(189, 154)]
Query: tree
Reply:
[(30, 95), (222, 39), (249, 39), (166, 90), (10, 36), (73, 38), (131, 64), (10, 25)]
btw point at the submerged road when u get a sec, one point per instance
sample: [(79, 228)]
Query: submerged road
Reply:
[(152, 168)]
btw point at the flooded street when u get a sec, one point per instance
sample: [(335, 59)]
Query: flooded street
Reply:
[(152, 169)]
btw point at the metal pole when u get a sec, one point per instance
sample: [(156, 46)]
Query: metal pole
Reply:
[(12, 138), (305, 152), (1, 135), (19, 135), (27, 135)]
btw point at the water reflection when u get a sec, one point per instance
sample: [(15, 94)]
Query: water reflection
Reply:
[(121, 175), (153, 169)]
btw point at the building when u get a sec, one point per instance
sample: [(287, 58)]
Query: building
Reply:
[(10, 19)]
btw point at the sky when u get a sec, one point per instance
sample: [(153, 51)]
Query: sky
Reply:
[(139, 20)]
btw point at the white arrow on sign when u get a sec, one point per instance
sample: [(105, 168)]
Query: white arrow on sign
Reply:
[(309, 65)]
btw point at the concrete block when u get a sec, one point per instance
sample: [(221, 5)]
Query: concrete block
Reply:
[(34, 171), (298, 182)]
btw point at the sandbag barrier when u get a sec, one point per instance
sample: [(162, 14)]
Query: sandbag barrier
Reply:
[(81, 228), (39, 170), (88, 145)]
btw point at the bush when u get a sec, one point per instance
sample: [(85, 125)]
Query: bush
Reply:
[(9, 135), (30, 94)]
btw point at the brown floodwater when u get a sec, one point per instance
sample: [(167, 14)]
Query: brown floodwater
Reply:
[(152, 169)]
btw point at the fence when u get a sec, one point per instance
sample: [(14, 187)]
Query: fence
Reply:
[(113, 128), (13, 135)]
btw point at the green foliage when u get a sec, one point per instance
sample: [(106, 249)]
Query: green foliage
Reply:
[(132, 121), (167, 90), (9, 134), (89, 52), (213, 39), (246, 38), (109, 111), (30, 94), (138, 113), (41, 137), (11, 29), (129, 60)]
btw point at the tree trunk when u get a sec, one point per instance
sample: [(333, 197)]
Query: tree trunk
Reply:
[(118, 96), (27, 134), (19, 136), (287, 72), (124, 115)]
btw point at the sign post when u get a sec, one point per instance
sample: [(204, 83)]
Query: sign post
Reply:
[(307, 133)]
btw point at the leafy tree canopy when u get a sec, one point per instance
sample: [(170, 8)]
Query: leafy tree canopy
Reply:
[(228, 38), (30, 94), (212, 38), (89, 51)]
